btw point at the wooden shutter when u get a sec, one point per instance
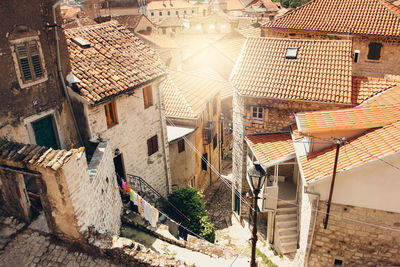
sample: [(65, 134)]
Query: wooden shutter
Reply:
[(147, 97), (23, 61), (152, 145), (37, 65), (374, 52), (111, 116)]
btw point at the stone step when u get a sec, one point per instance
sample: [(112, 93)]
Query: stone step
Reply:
[(286, 220), (288, 249), (286, 214), (287, 234), (288, 242), (287, 227), (287, 207), (287, 202)]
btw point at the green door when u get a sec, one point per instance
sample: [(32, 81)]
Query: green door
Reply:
[(44, 132), (237, 202)]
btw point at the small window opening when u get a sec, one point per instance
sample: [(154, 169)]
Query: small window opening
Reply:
[(291, 53), (181, 146), (356, 55), (111, 115), (374, 52), (152, 145), (81, 42), (338, 263), (215, 142), (204, 161), (258, 113)]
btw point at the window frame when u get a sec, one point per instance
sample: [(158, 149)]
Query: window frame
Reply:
[(18, 69), (152, 145), (111, 117), (215, 142), (290, 56), (204, 165), (258, 112), (147, 96), (181, 145)]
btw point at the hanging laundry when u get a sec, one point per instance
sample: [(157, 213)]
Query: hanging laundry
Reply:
[(183, 232), (135, 198), (139, 204), (123, 184), (154, 217), (131, 195), (143, 203), (128, 188), (148, 212), (173, 228)]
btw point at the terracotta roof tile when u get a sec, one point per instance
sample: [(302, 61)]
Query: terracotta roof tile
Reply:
[(269, 148), (370, 145), (36, 155), (365, 87), (347, 119), (321, 72), (193, 89), (116, 61), (389, 97), (371, 17)]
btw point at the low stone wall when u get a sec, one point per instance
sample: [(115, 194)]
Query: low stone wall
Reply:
[(355, 243)]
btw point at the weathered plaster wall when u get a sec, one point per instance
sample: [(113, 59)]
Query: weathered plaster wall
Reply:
[(135, 126), (20, 103), (355, 243), (183, 167), (387, 64)]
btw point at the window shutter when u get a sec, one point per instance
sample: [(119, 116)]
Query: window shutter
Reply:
[(149, 147), (24, 62), (34, 52), (374, 52), (155, 140)]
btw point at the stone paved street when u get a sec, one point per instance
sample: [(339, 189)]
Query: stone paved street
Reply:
[(29, 248)]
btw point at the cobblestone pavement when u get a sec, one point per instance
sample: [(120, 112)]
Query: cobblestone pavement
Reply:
[(30, 248)]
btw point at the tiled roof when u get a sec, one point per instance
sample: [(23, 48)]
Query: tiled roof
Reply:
[(232, 5), (347, 119), (389, 97), (36, 155), (116, 61), (372, 144), (155, 5), (159, 40), (230, 47), (365, 87), (321, 72), (396, 3), (197, 89), (130, 21), (174, 101), (269, 148), (367, 17)]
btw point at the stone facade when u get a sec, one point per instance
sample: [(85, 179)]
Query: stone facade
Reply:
[(27, 102), (387, 64), (278, 115), (354, 243), (129, 136)]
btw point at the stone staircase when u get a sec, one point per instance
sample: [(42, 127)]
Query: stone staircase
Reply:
[(286, 227)]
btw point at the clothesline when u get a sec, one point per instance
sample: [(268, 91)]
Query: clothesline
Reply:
[(132, 193)]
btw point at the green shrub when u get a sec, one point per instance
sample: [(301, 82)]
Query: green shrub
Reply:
[(188, 201)]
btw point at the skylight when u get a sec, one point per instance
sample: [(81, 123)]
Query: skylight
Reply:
[(291, 52)]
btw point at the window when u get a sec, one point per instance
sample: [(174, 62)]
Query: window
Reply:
[(152, 145), (192, 11), (164, 30), (374, 52), (160, 13), (29, 61), (204, 160), (169, 13), (215, 142), (181, 146), (193, 182), (258, 113), (147, 97), (152, 14), (356, 55), (111, 115), (338, 262), (184, 12), (291, 53), (177, 13)]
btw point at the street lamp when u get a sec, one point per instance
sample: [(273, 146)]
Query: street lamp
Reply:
[(256, 177)]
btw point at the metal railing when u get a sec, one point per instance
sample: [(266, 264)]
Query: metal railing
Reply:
[(152, 196)]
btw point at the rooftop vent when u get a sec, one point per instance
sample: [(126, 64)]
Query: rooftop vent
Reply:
[(81, 42), (291, 52)]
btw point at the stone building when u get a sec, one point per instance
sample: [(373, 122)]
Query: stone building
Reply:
[(273, 79), (159, 10), (373, 28), (192, 107), (115, 94), (35, 107)]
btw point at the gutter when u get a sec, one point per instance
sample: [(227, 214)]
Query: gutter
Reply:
[(60, 74), (308, 252)]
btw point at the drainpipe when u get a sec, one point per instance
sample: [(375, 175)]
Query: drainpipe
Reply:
[(162, 136), (317, 195), (60, 74)]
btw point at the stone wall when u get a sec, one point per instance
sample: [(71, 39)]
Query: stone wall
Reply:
[(32, 100), (135, 126), (387, 64), (96, 184), (355, 243)]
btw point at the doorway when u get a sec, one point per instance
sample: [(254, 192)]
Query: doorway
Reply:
[(45, 134), (119, 168)]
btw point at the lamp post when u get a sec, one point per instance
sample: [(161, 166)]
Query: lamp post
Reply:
[(256, 177)]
